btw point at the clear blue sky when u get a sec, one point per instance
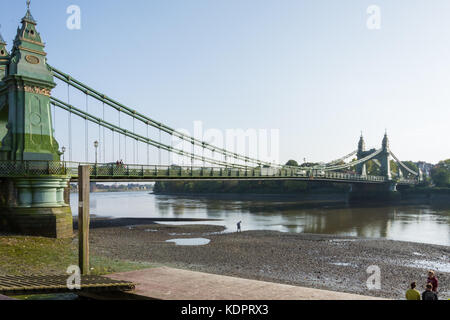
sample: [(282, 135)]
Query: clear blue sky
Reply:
[(310, 68)]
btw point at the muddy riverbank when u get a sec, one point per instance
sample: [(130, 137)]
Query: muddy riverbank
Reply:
[(320, 261)]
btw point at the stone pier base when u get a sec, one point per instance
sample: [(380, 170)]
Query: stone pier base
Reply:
[(43, 222), (36, 206)]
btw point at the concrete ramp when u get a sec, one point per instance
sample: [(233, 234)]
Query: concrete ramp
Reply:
[(176, 284)]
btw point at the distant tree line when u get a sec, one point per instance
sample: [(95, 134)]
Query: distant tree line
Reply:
[(247, 187), (252, 187)]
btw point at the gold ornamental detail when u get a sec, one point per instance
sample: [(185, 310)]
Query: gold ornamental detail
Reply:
[(38, 90)]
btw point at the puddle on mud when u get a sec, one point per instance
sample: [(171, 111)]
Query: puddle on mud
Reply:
[(190, 242), (344, 264)]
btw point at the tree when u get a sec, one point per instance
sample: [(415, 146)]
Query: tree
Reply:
[(309, 164), (372, 168), (292, 163), (413, 166), (441, 174)]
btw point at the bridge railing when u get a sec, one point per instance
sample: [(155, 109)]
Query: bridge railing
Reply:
[(111, 171), (32, 168)]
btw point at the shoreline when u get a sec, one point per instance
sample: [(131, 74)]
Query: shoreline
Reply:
[(330, 262), (318, 199)]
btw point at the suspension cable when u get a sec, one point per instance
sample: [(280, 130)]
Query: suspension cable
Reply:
[(125, 147), (80, 86), (86, 131), (159, 149), (193, 152), (354, 163), (127, 133), (99, 140), (54, 118), (120, 147), (113, 145), (104, 138), (137, 151), (342, 159), (148, 150), (403, 165), (134, 145), (69, 124), (203, 156)]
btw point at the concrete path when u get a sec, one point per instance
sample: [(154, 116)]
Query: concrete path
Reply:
[(175, 284)]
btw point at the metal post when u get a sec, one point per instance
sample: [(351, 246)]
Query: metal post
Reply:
[(134, 144), (148, 149), (104, 138), (120, 149), (83, 218), (159, 149), (96, 143), (86, 133)]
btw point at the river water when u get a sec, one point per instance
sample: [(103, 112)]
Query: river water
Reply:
[(416, 223)]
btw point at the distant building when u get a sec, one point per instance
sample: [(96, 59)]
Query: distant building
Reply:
[(425, 167)]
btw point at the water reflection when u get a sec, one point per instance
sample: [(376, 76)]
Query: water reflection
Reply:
[(418, 223)]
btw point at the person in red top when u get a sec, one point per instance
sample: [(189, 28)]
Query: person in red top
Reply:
[(433, 280)]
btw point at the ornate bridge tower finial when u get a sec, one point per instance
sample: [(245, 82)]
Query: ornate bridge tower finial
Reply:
[(361, 144), (4, 60), (361, 168), (28, 4), (385, 158), (385, 141)]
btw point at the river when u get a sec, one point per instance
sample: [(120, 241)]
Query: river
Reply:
[(415, 223)]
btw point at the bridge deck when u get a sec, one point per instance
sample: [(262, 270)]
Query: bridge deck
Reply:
[(114, 172)]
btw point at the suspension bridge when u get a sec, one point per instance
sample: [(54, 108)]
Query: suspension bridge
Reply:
[(38, 158)]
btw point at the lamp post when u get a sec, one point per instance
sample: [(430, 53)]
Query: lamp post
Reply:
[(63, 149), (96, 147)]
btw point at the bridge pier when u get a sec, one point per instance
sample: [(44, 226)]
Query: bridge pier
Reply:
[(37, 206), (385, 192)]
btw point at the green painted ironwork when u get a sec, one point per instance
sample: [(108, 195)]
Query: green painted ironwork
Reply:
[(24, 98), (116, 172)]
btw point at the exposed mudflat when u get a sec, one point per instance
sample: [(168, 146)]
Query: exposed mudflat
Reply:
[(317, 261)]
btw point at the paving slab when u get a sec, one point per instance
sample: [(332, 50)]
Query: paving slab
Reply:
[(176, 284)]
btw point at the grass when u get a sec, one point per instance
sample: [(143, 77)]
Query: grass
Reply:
[(42, 256)]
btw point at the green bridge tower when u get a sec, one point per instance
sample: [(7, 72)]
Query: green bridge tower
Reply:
[(35, 205), (384, 192)]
